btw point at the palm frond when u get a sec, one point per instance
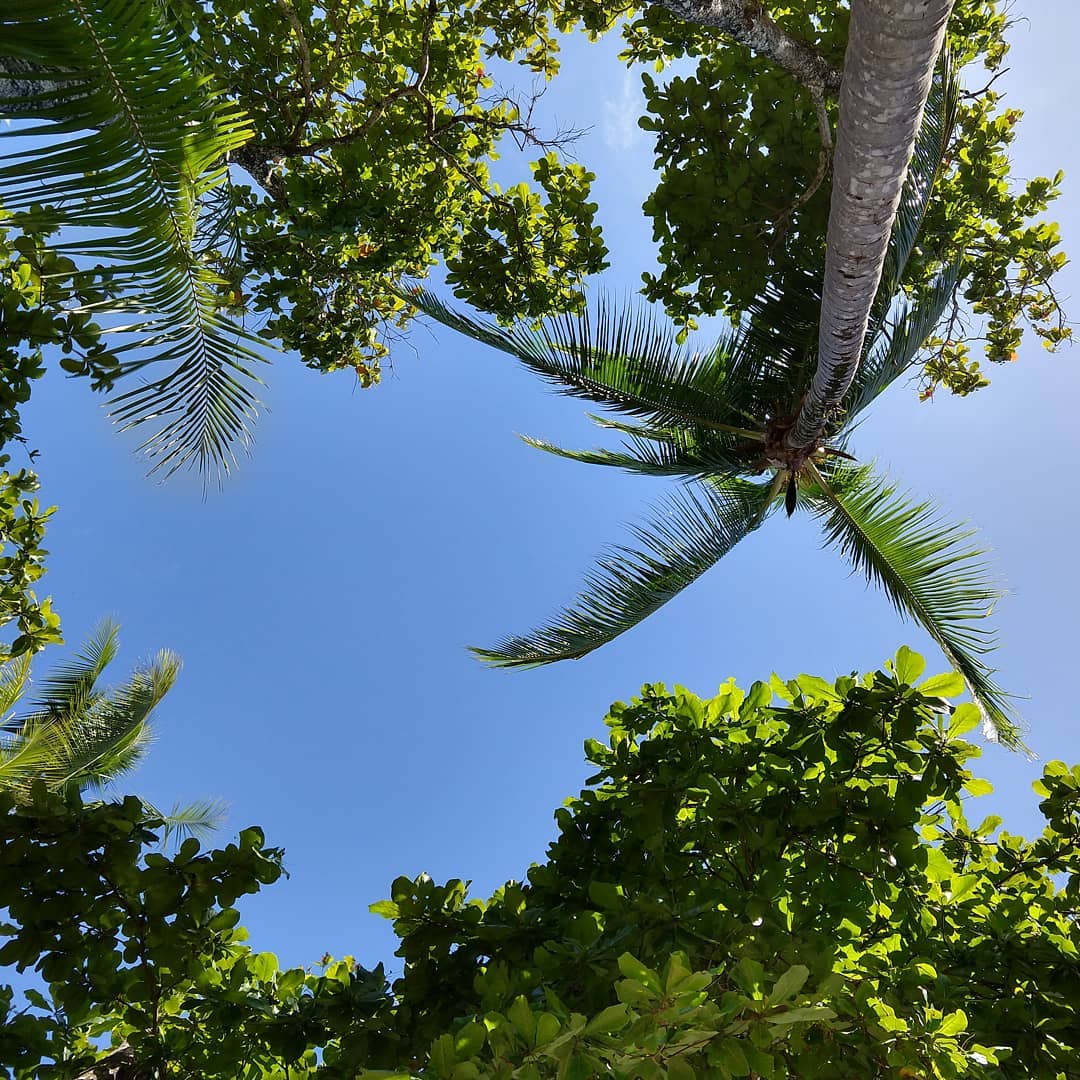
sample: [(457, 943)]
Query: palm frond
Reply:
[(14, 679), (895, 349), (626, 360), (692, 532), (69, 688), (928, 569), (112, 738), (683, 456), (199, 819), (128, 144)]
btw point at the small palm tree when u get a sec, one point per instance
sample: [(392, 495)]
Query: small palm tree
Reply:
[(720, 421), (78, 737), (121, 145)]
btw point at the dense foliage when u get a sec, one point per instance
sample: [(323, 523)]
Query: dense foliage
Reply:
[(364, 137), (46, 303), (736, 206), (375, 125), (782, 882)]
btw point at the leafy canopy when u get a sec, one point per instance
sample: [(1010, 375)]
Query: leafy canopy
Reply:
[(778, 882), (377, 124), (738, 149)]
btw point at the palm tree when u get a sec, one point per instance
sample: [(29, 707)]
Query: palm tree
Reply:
[(77, 737), (719, 420), (122, 147)]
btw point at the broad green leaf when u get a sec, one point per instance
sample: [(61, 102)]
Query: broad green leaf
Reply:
[(632, 968), (938, 865), (965, 718), (679, 1068), (954, 1023), (606, 895), (950, 684), (908, 665), (804, 1014), (263, 965), (613, 1018), (470, 1040), (789, 984), (728, 1055)]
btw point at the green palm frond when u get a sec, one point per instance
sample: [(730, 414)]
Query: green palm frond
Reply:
[(69, 688), (692, 532), (74, 734), (14, 679), (928, 569), (683, 456), (626, 360), (128, 146), (198, 819), (112, 737), (894, 350)]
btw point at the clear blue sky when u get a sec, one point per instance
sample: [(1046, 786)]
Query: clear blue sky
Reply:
[(323, 602)]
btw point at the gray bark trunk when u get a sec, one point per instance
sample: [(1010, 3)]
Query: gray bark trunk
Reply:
[(747, 22), (888, 68), (22, 81)]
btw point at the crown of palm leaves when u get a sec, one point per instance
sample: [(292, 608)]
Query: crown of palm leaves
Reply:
[(717, 419)]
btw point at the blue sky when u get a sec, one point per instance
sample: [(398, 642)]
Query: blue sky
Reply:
[(322, 603)]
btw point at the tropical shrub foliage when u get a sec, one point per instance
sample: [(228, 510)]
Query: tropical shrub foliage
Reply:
[(738, 148), (780, 882), (46, 303)]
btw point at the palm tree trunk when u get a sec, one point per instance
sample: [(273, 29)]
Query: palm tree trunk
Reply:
[(892, 48), (21, 81)]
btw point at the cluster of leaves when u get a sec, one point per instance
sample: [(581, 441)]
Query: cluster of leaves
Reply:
[(747, 887), (46, 303), (739, 152), (376, 124)]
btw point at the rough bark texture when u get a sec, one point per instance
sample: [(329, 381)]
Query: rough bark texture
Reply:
[(888, 68), (749, 24), (21, 80), (121, 1064)]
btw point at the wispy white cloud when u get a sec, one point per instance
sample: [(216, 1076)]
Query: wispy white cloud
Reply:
[(621, 113)]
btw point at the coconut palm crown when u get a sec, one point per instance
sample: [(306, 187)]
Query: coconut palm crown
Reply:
[(719, 421)]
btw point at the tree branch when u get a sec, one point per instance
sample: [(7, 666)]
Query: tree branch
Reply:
[(749, 24)]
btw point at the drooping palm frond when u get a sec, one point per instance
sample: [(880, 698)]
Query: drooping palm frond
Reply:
[(128, 145), (74, 734), (628, 361), (928, 569), (683, 456), (693, 531), (895, 348), (111, 736)]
